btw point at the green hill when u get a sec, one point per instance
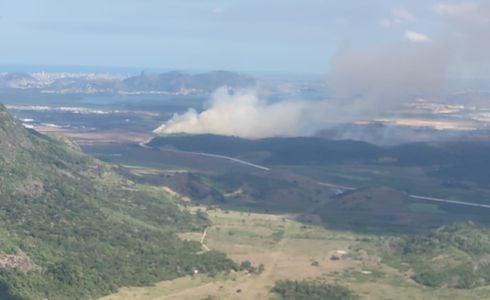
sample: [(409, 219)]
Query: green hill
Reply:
[(73, 229), (455, 256)]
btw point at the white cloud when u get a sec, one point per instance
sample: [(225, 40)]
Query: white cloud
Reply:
[(454, 9), (417, 37), (401, 14), (398, 16)]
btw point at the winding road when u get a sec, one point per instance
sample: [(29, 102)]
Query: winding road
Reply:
[(417, 197), (224, 157), (449, 201), (337, 187)]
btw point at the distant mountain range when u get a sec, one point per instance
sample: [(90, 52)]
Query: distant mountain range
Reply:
[(173, 83)]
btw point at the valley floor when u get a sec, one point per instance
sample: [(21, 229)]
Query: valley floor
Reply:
[(291, 250)]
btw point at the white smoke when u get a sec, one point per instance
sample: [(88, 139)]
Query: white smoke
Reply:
[(363, 82), (243, 113)]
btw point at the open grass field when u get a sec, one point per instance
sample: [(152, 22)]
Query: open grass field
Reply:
[(291, 250)]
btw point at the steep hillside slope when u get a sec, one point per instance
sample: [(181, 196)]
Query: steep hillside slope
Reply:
[(72, 229), (455, 256)]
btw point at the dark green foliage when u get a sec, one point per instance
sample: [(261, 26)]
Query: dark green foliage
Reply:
[(453, 160), (211, 262), (454, 256), (311, 290), (86, 230), (299, 150), (231, 181), (246, 265), (457, 160)]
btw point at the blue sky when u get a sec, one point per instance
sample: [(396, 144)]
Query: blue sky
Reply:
[(244, 35)]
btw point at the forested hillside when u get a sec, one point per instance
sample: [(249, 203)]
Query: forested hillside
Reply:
[(73, 229), (455, 256)]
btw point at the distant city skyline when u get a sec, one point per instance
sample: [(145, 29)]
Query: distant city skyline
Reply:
[(249, 36)]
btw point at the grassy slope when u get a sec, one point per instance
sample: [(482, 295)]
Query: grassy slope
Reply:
[(84, 230)]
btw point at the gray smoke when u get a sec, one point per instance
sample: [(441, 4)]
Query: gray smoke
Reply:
[(381, 78), (364, 82), (466, 35), (243, 113)]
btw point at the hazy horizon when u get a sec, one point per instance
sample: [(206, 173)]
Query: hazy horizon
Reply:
[(260, 36)]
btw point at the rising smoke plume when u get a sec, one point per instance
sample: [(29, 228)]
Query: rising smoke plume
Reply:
[(363, 82), (243, 113)]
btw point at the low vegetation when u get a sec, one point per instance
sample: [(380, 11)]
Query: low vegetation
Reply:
[(362, 263), (454, 160), (456, 256), (311, 290)]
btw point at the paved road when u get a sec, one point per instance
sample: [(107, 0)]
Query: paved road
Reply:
[(232, 159), (327, 184), (342, 188), (337, 186), (449, 201)]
